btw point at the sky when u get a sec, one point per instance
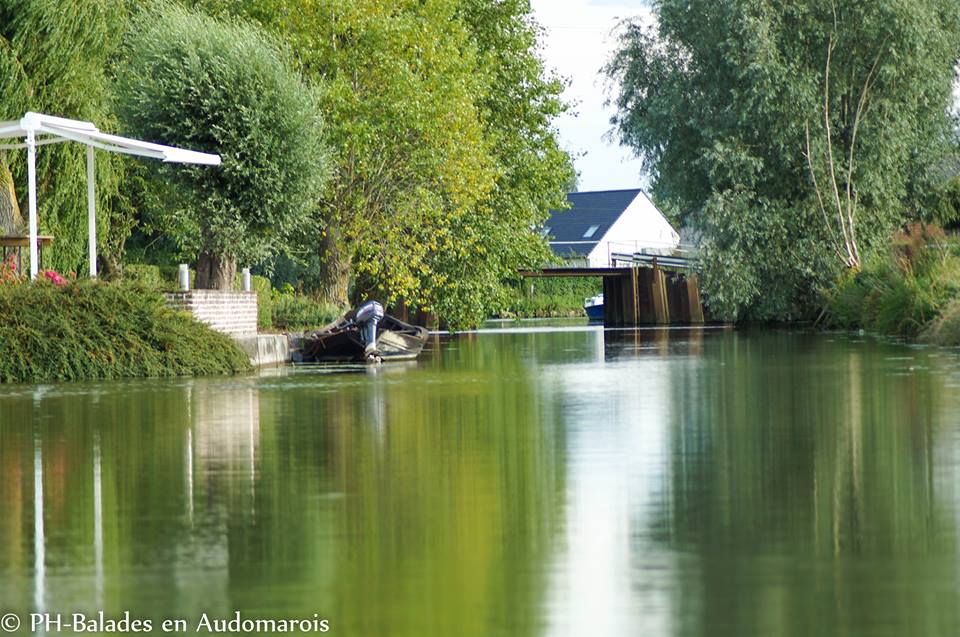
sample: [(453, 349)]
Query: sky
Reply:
[(578, 42)]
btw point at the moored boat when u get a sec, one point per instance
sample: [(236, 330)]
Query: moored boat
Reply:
[(594, 307), (364, 334)]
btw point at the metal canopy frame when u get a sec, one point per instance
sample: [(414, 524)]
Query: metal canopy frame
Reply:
[(40, 130)]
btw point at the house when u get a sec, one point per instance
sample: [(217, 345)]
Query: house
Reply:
[(601, 224)]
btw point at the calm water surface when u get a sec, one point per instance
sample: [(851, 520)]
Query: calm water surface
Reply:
[(513, 482)]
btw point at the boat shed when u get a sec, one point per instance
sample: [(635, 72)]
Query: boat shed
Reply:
[(600, 224)]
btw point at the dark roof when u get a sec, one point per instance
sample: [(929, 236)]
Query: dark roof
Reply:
[(587, 209)]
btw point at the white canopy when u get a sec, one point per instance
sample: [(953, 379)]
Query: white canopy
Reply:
[(40, 130)]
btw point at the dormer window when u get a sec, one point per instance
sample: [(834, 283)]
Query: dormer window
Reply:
[(592, 230), (545, 232)]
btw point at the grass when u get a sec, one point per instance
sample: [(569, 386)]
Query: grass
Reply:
[(945, 329), (93, 330), (902, 292)]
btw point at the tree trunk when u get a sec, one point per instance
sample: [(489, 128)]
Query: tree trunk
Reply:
[(11, 221), (215, 272), (335, 269)]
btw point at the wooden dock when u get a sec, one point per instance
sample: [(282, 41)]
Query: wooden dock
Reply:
[(640, 295)]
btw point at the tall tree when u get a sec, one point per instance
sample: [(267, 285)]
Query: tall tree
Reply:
[(439, 116), (411, 160), (518, 102), (794, 135), (224, 87)]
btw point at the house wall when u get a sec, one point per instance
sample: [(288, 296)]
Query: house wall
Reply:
[(233, 313), (641, 227)]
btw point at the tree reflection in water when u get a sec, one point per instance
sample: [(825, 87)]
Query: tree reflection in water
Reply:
[(529, 482)]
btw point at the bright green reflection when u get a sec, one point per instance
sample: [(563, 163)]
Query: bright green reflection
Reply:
[(514, 482)]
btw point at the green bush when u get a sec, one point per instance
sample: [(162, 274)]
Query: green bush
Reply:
[(95, 330), (549, 298), (901, 292), (145, 275), (945, 330), (297, 313), (264, 289)]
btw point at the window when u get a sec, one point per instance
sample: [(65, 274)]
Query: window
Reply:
[(592, 230)]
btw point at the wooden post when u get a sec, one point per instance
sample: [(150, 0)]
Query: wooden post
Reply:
[(661, 309), (693, 296), (609, 302), (645, 313), (677, 298), (628, 296)]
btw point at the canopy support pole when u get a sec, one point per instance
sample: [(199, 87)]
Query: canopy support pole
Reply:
[(92, 211), (32, 202)]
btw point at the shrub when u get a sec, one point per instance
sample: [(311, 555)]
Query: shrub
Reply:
[(545, 298), (297, 313), (945, 329), (264, 289), (94, 330), (901, 292), (145, 275)]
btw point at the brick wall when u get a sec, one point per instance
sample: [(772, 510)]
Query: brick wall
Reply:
[(233, 313)]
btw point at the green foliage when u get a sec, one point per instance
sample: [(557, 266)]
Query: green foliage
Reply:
[(945, 329), (943, 204), (224, 87), (264, 289), (54, 58), (745, 131), (295, 313), (517, 104), (899, 293), (93, 330), (445, 153), (547, 298), (147, 276)]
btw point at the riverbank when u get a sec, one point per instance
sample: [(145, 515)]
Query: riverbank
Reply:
[(911, 290), (549, 298), (88, 330)]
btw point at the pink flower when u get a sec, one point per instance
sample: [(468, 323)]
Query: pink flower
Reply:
[(54, 278)]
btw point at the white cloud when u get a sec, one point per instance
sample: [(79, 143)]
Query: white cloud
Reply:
[(579, 42)]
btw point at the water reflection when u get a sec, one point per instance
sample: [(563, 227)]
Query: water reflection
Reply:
[(810, 486), (403, 500), (516, 482)]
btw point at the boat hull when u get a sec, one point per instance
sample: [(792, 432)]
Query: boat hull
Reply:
[(595, 312), (344, 342)]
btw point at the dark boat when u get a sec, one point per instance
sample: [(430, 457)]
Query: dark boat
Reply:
[(364, 334)]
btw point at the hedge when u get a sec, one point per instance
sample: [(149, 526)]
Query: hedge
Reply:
[(93, 330)]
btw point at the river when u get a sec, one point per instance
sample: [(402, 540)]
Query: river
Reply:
[(536, 481)]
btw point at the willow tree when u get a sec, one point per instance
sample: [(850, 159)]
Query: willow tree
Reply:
[(54, 58), (794, 135), (224, 87)]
